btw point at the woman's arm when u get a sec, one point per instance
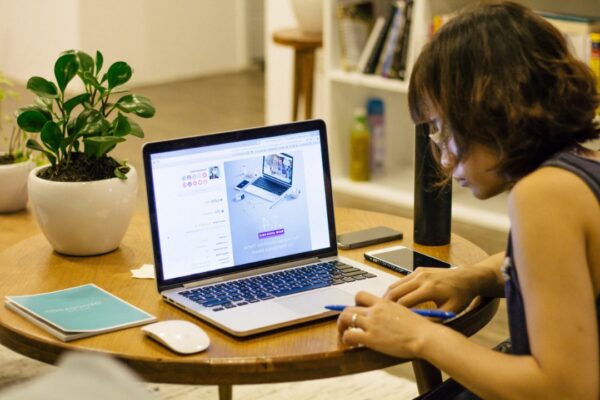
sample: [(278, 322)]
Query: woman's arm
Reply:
[(392, 329), (450, 289), (489, 276), (549, 211)]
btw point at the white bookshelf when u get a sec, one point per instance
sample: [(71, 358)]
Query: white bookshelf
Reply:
[(371, 81), (345, 91)]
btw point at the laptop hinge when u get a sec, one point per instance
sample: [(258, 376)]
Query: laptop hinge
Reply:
[(252, 272)]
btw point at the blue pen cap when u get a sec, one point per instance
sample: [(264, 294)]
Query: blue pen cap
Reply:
[(375, 106)]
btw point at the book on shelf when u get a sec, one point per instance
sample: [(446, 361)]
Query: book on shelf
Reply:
[(78, 312), (354, 21), (577, 30), (391, 41), (398, 68), (595, 61), (373, 59), (370, 45)]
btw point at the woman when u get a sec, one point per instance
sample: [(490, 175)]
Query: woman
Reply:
[(508, 107)]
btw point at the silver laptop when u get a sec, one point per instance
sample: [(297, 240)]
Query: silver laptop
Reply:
[(235, 260), (275, 179)]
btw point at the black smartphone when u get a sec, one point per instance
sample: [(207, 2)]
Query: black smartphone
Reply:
[(403, 260), (242, 184), (367, 237)]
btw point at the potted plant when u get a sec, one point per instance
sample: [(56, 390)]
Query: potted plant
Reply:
[(84, 199), (15, 162)]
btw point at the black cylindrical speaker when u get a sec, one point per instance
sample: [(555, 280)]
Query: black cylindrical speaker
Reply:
[(432, 202)]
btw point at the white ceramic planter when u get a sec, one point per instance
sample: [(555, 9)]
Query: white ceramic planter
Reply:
[(83, 218), (13, 186), (309, 14)]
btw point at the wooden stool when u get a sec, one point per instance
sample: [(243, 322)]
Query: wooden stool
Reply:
[(304, 45)]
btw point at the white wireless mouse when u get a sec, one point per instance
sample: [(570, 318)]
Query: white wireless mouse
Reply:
[(180, 336), (293, 193)]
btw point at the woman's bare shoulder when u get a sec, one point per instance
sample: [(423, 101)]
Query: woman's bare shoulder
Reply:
[(551, 181), (553, 193)]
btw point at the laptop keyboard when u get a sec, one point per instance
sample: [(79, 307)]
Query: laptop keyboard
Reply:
[(277, 284), (269, 186)]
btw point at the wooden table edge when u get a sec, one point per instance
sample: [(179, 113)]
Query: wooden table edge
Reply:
[(239, 370), (247, 371)]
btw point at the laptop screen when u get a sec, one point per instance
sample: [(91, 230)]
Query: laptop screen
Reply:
[(204, 223), (279, 167)]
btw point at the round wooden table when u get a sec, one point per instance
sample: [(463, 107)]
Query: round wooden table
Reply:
[(308, 351)]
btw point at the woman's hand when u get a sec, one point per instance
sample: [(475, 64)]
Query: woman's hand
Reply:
[(385, 326), (450, 289)]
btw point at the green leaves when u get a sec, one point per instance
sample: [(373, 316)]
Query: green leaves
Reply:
[(44, 103), (121, 125), (42, 87), (91, 123), (97, 146), (136, 130), (86, 63), (65, 69), (121, 171), (99, 61), (32, 118), (88, 78), (118, 73), (75, 101), (51, 136), (81, 122), (34, 145), (139, 105)]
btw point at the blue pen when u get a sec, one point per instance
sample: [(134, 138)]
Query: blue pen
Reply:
[(426, 313)]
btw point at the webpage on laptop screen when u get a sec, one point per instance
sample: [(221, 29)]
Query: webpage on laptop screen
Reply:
[(206, 221)]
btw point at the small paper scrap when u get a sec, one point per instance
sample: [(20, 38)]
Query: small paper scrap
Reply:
[(146, 271)]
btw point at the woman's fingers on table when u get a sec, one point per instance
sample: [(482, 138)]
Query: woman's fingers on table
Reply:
[(411, 292), (351, 317), (367, 299), (425, 284), (353, 337), (386, 326), (400, 288)]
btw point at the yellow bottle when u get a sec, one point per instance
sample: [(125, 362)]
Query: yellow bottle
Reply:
[(595, 61), (359, 147)]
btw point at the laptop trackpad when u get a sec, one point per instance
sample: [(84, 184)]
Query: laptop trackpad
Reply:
[(314, 302)]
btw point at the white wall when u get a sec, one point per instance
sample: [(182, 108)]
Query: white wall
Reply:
[(32, 35), (162, 40), (255, 20), (279, 67)]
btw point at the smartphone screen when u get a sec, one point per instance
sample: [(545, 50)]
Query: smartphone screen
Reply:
[(367, 237), (404, 260), (242, 184)]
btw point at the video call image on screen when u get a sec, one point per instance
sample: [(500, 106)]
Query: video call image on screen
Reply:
[(278, 166), (207, 220)]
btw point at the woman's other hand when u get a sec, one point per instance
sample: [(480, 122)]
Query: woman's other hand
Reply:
[(450, 289)]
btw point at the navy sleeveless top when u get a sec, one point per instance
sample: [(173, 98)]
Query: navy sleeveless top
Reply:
[(589, 171)]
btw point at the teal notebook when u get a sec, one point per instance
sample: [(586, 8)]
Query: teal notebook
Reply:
[(78, 312)]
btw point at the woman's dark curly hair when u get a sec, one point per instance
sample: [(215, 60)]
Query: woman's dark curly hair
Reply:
[(500, 75)]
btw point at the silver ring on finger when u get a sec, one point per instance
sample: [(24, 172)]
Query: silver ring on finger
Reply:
[(353, 320)]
